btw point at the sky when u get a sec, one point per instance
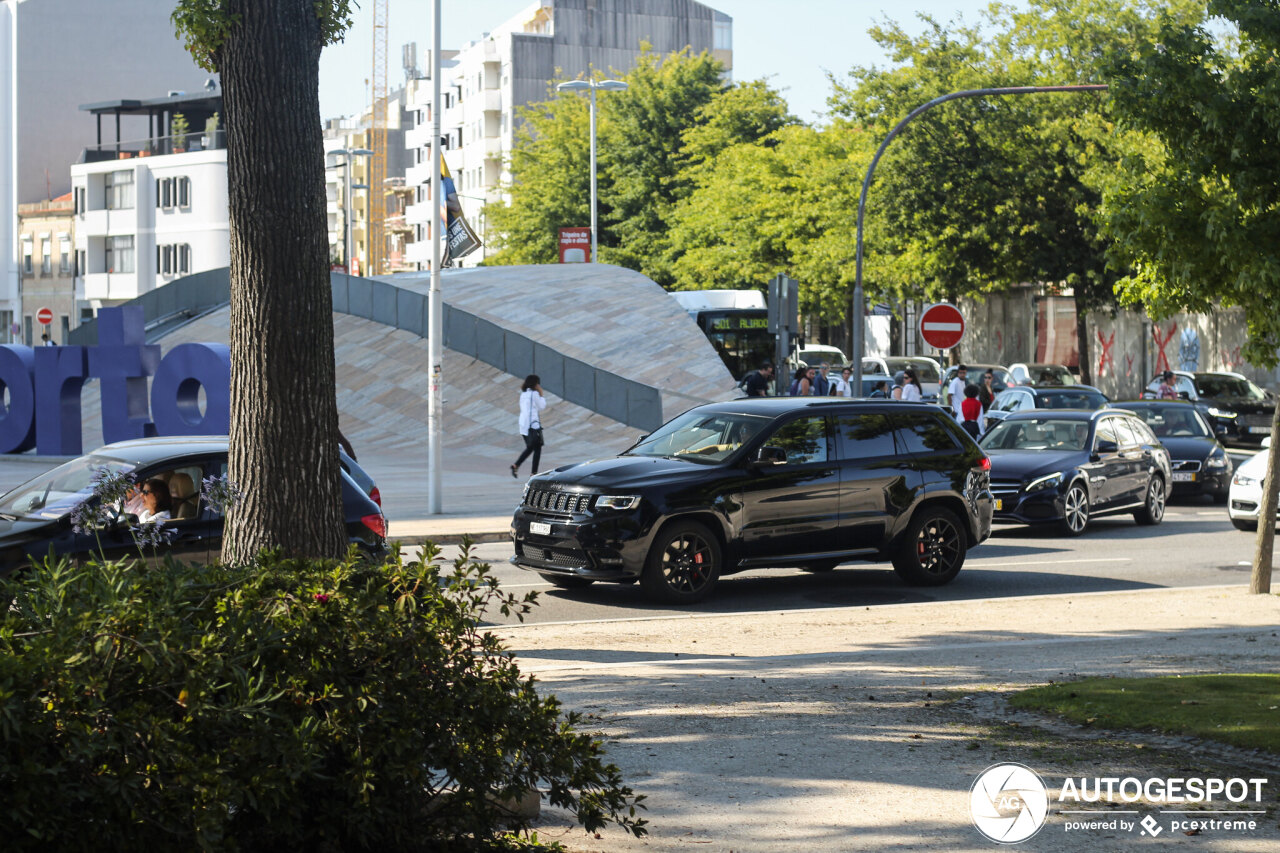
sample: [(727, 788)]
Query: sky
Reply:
[(792, 44)]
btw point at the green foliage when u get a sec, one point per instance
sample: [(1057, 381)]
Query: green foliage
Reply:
[(290, 705), (1192, 205), (205, 25), (676, 116), (179, 128)]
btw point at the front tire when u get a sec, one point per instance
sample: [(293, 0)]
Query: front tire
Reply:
[(932, 550), (1075, 515), (683, 564), (1152, 511)]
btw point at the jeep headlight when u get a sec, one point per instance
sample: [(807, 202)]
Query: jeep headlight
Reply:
[(1222, 413), (1048, 481), (618, 502)]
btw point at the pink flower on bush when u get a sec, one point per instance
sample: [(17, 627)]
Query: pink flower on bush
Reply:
[(322, 597)]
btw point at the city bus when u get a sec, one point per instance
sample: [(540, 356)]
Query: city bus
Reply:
[(737, 324)]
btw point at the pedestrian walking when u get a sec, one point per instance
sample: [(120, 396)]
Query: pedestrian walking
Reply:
[(45, 341), (531, 405), (821, 384), (911, 391), (955, 392), (756, 383), (987, 390), (802, 384), (975, 420), (880, 390), (842, 387)]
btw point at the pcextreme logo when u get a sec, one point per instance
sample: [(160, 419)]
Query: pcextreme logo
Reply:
[(1008, 803)]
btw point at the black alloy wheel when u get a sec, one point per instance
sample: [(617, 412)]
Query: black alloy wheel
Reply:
[(932, 550), (1152, 511), (565, 581), (1075, 511), (683, 565)]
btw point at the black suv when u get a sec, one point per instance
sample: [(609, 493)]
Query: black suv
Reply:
[(763, 482)]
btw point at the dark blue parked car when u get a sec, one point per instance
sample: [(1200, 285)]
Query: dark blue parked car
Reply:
[(1067, 467)]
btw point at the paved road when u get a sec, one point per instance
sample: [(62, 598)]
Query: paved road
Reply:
[(1195, 546)]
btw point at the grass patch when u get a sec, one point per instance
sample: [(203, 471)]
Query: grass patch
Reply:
[(1242, 710)]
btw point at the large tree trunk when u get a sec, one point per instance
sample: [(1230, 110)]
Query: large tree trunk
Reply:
[(284, 417)]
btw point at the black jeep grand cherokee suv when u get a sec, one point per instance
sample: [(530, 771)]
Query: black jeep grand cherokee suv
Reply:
[(782, 482)]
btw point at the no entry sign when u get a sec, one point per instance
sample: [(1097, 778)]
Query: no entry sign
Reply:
[(942, 325), (44, 316)]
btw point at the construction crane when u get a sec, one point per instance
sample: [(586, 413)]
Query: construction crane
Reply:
[(376, 243)]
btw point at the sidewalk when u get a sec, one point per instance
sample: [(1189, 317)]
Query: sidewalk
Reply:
[(863, 728)]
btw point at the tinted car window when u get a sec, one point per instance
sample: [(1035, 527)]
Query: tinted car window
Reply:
[(804, 440), (1008, 402), (1125, 432), (1106, 432), (865, 436), (923, 434), (1146, 436), (1072, 400), (1211, 385), (1046, 433)]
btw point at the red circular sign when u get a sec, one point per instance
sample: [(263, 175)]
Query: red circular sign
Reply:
[(44, 316), (942, 325)]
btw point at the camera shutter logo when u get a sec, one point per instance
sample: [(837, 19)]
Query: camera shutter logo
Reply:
[(1008, 803)]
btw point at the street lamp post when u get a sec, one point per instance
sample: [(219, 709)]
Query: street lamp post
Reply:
[(592, 86), (347, 154)]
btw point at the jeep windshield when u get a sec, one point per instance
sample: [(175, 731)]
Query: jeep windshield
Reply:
[(701, 437)]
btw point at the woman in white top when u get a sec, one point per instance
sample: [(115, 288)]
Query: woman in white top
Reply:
[(531, 404), (155, 501), (911, 387)]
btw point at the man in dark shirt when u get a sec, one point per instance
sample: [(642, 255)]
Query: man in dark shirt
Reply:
[(757, 381)]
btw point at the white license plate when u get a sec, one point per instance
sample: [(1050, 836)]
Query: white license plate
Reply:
[(540, 528), (999, 504), (1183, 477), (1265, 430)]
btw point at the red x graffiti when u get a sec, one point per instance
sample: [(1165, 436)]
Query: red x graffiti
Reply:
[(1128, 365), (1106, 358), (1162, 341)]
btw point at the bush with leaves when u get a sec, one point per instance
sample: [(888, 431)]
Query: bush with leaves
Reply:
[(287, 704)]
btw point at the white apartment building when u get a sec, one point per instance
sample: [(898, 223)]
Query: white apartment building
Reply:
[(150, 205), (486, 80), (54, 56)]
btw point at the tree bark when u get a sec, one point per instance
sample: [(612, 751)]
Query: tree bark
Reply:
[(284, 416), (1260, 577)]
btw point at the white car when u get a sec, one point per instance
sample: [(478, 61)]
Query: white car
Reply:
[(927, 370), (1246, 491)]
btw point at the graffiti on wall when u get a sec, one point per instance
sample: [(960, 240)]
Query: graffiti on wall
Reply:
[(1162, 340), (1105, 357), (1189, 349)]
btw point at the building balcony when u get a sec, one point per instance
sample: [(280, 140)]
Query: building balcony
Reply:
[(419, 213), (418, 253), (111, 286), (418, 175), (493, 148), (491, 99), (419, 137), (157, 146)]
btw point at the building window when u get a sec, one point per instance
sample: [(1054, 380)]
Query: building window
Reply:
[(64, 254), (174, 259), (81, 261), (119, 255), (80, 196), (46, 257), (27, 251), (173, 192), (723, 36), (119, 190)]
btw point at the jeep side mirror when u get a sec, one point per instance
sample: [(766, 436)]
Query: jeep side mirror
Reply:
[(1185, 395), (1105, 446), (770, 455)]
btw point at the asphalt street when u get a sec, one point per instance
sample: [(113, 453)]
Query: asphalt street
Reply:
[(1195, 546)]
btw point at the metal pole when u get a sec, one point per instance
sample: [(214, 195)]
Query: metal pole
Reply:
[(346, 213), (9, 204), (434, 322), (858, 320), (594, 225)]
